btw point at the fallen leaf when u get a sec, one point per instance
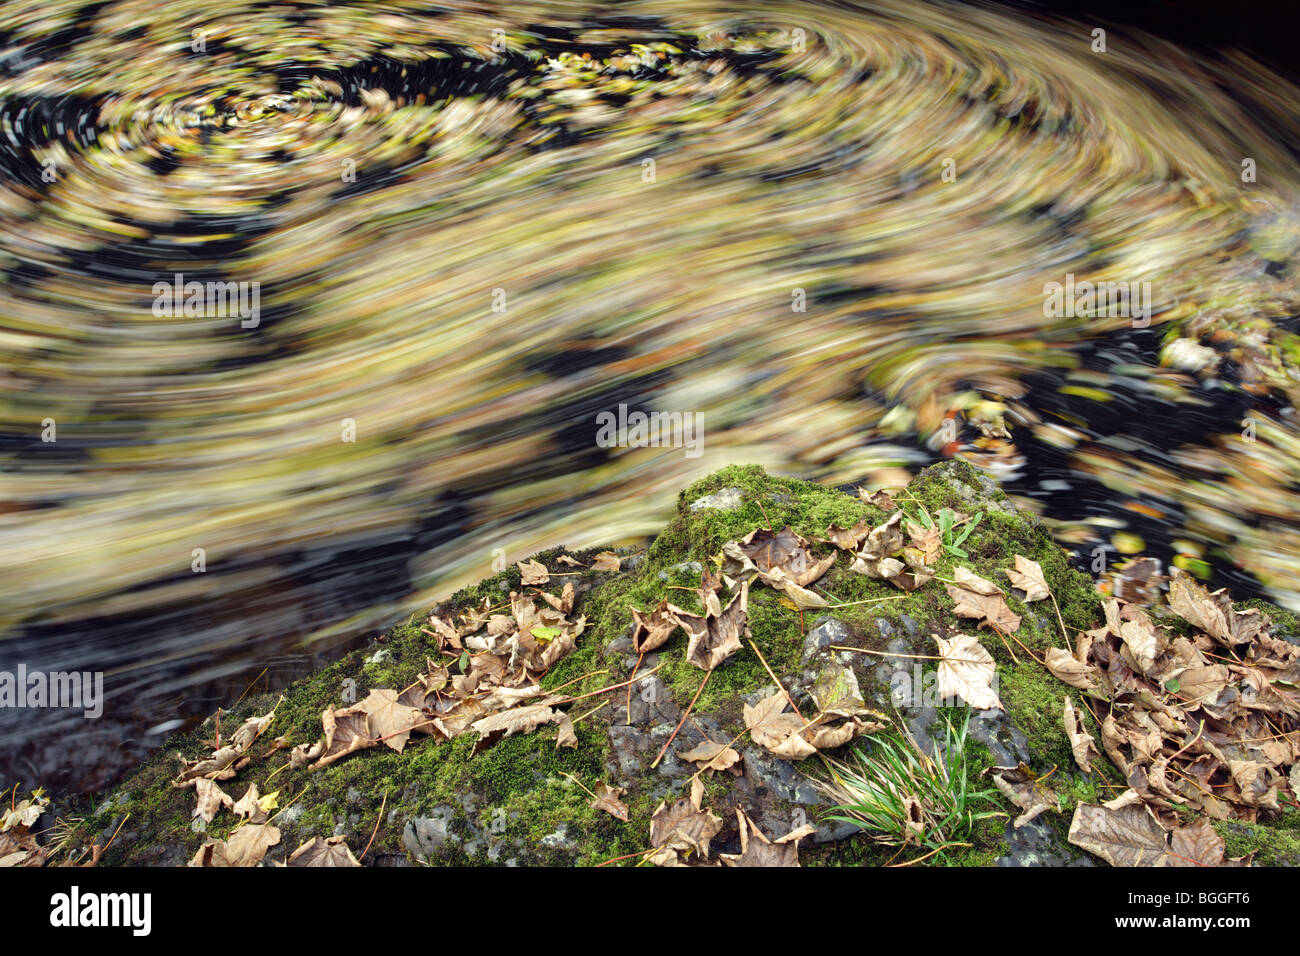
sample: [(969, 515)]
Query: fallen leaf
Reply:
[(532, 572), (757, 850), (211, 798), (776, 730), (711, 754), (567, 737), (1066, 668), (966, 670), (1028, 576), (607, 799), (1082, 744), (1129, 836), (606, 561), (714, 639), (1026, 792), (333, 851), (245, 847), (517, 720), (1196, 845), (254, 807), (990, 609), (847, 539)]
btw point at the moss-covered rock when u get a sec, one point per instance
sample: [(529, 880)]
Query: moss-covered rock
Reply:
[(524, 801)]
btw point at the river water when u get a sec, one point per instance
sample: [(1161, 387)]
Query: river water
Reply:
[(455, 234)]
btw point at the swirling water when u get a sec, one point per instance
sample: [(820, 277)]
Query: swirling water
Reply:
[(825, 228)]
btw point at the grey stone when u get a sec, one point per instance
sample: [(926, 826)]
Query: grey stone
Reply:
[(826, 632), (425, 836), (724, 499), (1037, 843)]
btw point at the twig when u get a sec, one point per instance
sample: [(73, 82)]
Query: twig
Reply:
[(938, 849), (628, 857), (775, 679), (376, 829), (605, 690), (668, 742)]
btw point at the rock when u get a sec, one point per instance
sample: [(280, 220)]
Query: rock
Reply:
[(425, 836), (1038, 844), (725, 499), (825, 632)]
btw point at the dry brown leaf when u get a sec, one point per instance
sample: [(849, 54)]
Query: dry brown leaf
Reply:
[(1082, 744), (684, 828), (1129, 836), (1066, 668), (989, 609), (757, 850), (966, 670), (532, 572), (567, 737), (847, 539), (776, 730), (333, 851), (714, 639), (517, 720), (881, 499), (607, 799), (711, 754), (1028, 576), (1196, 845), (803, 599), (606, 561), (211, 798), (926, 546), (245, 847), (1026, 792), (254, 807)]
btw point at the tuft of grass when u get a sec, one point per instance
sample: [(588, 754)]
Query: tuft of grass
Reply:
[(899, 795)]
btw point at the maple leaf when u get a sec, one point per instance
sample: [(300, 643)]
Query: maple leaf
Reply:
[(1026, 791), (785, 550), (1128, 836), (221, 765), (927, 543), (776, 730), (1082, 744), (966, 670), (1064, 667), (607, 799), (389, 720), (606, 561), (255, 807), (26, 813), (974, 597), (333, 851), (1028, 576), (566, 737), (836, 692), (847, 539), (652, 630), (803, 599), (245, 847), (532, 572), (250, 730), (211, 798), (569, 561), (711, 754), (1196, 845), (517, 720), (563, 603), (714, 639), (683, 828), (881, 499), (346, 731), (757, 850)]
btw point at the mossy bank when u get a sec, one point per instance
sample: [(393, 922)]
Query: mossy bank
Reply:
[(522, 800)]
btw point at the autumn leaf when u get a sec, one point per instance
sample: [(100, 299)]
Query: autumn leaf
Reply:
[(1026, 792), (254, 807), (836, 692), (803, 599), (1064, 667), (517, 720), (711, 754), (776, 730), (976, 598), (1129, 836), (714, 639), (847, 539), (566, 737), (532, 572), (333, 851), (211, 798), (927, 543), (1196, 845), (881, 499), (606, 561), (245, 847), (607, 799), (966, 670), (652, 630), (388, 719), (757, 850), (1082, 744), (346, 731), (683, 828), (1028, 576)]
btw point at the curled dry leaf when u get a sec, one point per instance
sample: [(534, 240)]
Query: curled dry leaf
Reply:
[(333, 851), (757, 850), (966, 670), (784, 550), (607, 799), (1066, 668), (974, 597), (683, 830), (847, 539), (255, 807), (606, 561), (803, 599), (714, 639), (211, 798), (778, 731), (567, 737), (653, 630), (1026, 791), (1082, 744)]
